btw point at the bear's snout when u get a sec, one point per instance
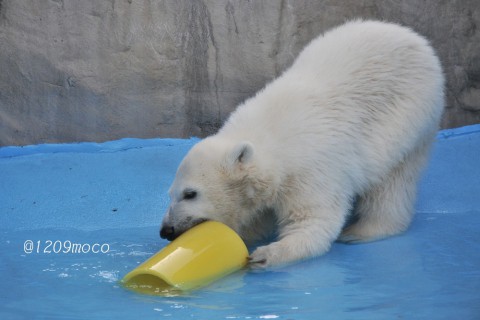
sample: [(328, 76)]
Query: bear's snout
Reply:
[(171, 232), (167, 232)]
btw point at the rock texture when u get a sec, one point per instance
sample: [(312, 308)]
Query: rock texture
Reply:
[(96, 70)]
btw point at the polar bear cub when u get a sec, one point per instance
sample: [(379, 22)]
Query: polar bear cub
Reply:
[(347, 128)]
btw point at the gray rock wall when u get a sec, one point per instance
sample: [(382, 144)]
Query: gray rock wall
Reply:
[(95, 70)]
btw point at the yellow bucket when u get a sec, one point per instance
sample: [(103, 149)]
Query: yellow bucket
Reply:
[(203, 254)]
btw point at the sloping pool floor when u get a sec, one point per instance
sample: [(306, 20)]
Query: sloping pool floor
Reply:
[(75, 218)]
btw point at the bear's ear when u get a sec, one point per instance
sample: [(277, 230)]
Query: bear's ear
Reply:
[(242, 153)]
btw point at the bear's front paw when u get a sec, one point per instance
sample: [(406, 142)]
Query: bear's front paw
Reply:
[(264, 257)]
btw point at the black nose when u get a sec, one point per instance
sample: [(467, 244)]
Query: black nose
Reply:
[(167, 232)]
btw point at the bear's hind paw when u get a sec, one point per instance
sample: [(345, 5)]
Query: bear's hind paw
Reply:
[(350, 239), (355, 234)]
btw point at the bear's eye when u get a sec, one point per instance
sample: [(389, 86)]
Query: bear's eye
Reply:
[(189, 194)]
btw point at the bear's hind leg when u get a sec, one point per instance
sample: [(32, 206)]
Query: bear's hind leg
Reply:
[(387, 208)]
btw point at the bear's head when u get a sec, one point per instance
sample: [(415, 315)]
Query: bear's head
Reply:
[(219, 180)]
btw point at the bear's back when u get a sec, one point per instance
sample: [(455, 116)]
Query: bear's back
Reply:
[(365, 86)]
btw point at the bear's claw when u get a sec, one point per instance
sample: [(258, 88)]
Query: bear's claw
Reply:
[(252, 262), (263, 257)]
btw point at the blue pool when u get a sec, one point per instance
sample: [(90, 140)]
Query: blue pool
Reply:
[(75, 218)]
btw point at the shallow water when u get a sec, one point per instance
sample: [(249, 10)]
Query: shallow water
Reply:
[(420, 275), (70, 197)]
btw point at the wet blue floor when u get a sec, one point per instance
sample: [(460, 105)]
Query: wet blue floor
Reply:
[(91, 212)]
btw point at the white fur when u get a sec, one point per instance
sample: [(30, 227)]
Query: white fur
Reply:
[(351, 121)]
